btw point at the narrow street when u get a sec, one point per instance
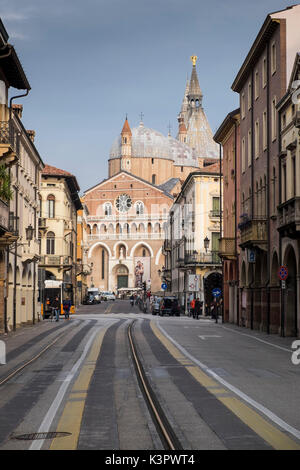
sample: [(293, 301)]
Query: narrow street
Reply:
[(219, 386)]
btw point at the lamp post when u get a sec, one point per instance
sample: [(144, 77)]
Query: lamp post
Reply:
[(29, 233), (206, 243)]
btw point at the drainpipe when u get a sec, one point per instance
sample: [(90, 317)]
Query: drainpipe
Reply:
[(221, 207), (237, 267), (16, 215), (268, 194)]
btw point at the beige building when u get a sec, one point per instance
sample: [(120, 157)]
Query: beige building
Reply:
[(289, 202), (83, 266), (192, 237), (58, 205), (22, 300)]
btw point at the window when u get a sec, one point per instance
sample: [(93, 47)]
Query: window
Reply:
[(284, 191), (216, 206), (274, 191), (249, 147), (273, 119), (256, 85), (264, 130), (153, 179), (243, 105), (139, 208), (249, 95), (40, 205), (51, 206), (293, 176), (50, 243), (243, 155), (264, 72), (107, 208), (256, 139), (103, 264), (152, 160), (273, 58)]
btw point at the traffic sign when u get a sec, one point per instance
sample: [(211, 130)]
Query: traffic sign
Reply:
[(216, 292), (164, 286), (283, 273)]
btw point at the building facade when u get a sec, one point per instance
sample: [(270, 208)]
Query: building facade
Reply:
[(261, 82), (192, 238), (58, 205), (228, 135), (289, 203)]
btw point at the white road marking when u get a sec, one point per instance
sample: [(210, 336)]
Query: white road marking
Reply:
[(258, 339), (48, 419), (295, 432), (208, 336)]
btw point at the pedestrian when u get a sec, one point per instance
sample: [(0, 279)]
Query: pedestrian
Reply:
[(214, 309), (56, 306), (67, 306), (192, 307), (197, 310)]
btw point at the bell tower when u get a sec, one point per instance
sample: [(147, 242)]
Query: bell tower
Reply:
[(126, 136)]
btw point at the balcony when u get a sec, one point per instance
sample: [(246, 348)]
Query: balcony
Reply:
[(253, 232), (227, 248), (289, 218), (215, 214), (126, 236), (56, 260), (9, 142), (4, 215), (9, 226), (42, 223), (196, 258)]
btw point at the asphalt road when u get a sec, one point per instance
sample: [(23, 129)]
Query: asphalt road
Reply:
[(221, 387)]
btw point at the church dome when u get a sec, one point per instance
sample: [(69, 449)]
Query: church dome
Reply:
[(149, 143)]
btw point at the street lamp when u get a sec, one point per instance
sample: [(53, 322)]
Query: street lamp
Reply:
[(206, 243), (29, 233)]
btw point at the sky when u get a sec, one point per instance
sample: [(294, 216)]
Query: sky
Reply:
[(91, 62)]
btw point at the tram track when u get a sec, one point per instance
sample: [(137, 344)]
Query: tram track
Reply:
[(164, 428), (19, 367)]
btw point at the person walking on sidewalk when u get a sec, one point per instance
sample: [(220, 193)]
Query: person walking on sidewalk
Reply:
[(197, 309), (56, 306), (67, 306), (192, 307)]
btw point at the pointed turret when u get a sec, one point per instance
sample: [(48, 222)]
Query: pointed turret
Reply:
[(195, 94), (126, 136)]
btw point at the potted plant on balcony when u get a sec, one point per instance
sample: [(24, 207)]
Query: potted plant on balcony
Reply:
[(6, 194)]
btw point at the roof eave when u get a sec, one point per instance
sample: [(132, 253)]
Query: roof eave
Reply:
[(265, 32)]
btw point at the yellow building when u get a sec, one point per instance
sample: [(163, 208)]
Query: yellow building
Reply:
[(59, 203), (192, 237)]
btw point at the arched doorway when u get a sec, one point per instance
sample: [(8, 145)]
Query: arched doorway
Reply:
[(121, 276), (212, 281), (290, 303)]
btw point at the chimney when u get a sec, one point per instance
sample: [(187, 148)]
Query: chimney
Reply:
[(18, 110), (31, 135)]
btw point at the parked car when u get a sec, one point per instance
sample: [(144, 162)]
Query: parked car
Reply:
[(169, 306), (108, 296), (155, 306)]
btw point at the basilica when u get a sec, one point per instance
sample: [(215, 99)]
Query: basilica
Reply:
[(127, 212)]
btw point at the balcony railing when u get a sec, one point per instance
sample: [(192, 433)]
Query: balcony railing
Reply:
[(227, 248), (289, 218), (216, 213), (13, 224), (4, 215), (56, 260), (126, 236), (199, 258), (253, 232), (10, 135)]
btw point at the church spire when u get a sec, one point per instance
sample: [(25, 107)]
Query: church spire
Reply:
[(126, 136), (195, 94)]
